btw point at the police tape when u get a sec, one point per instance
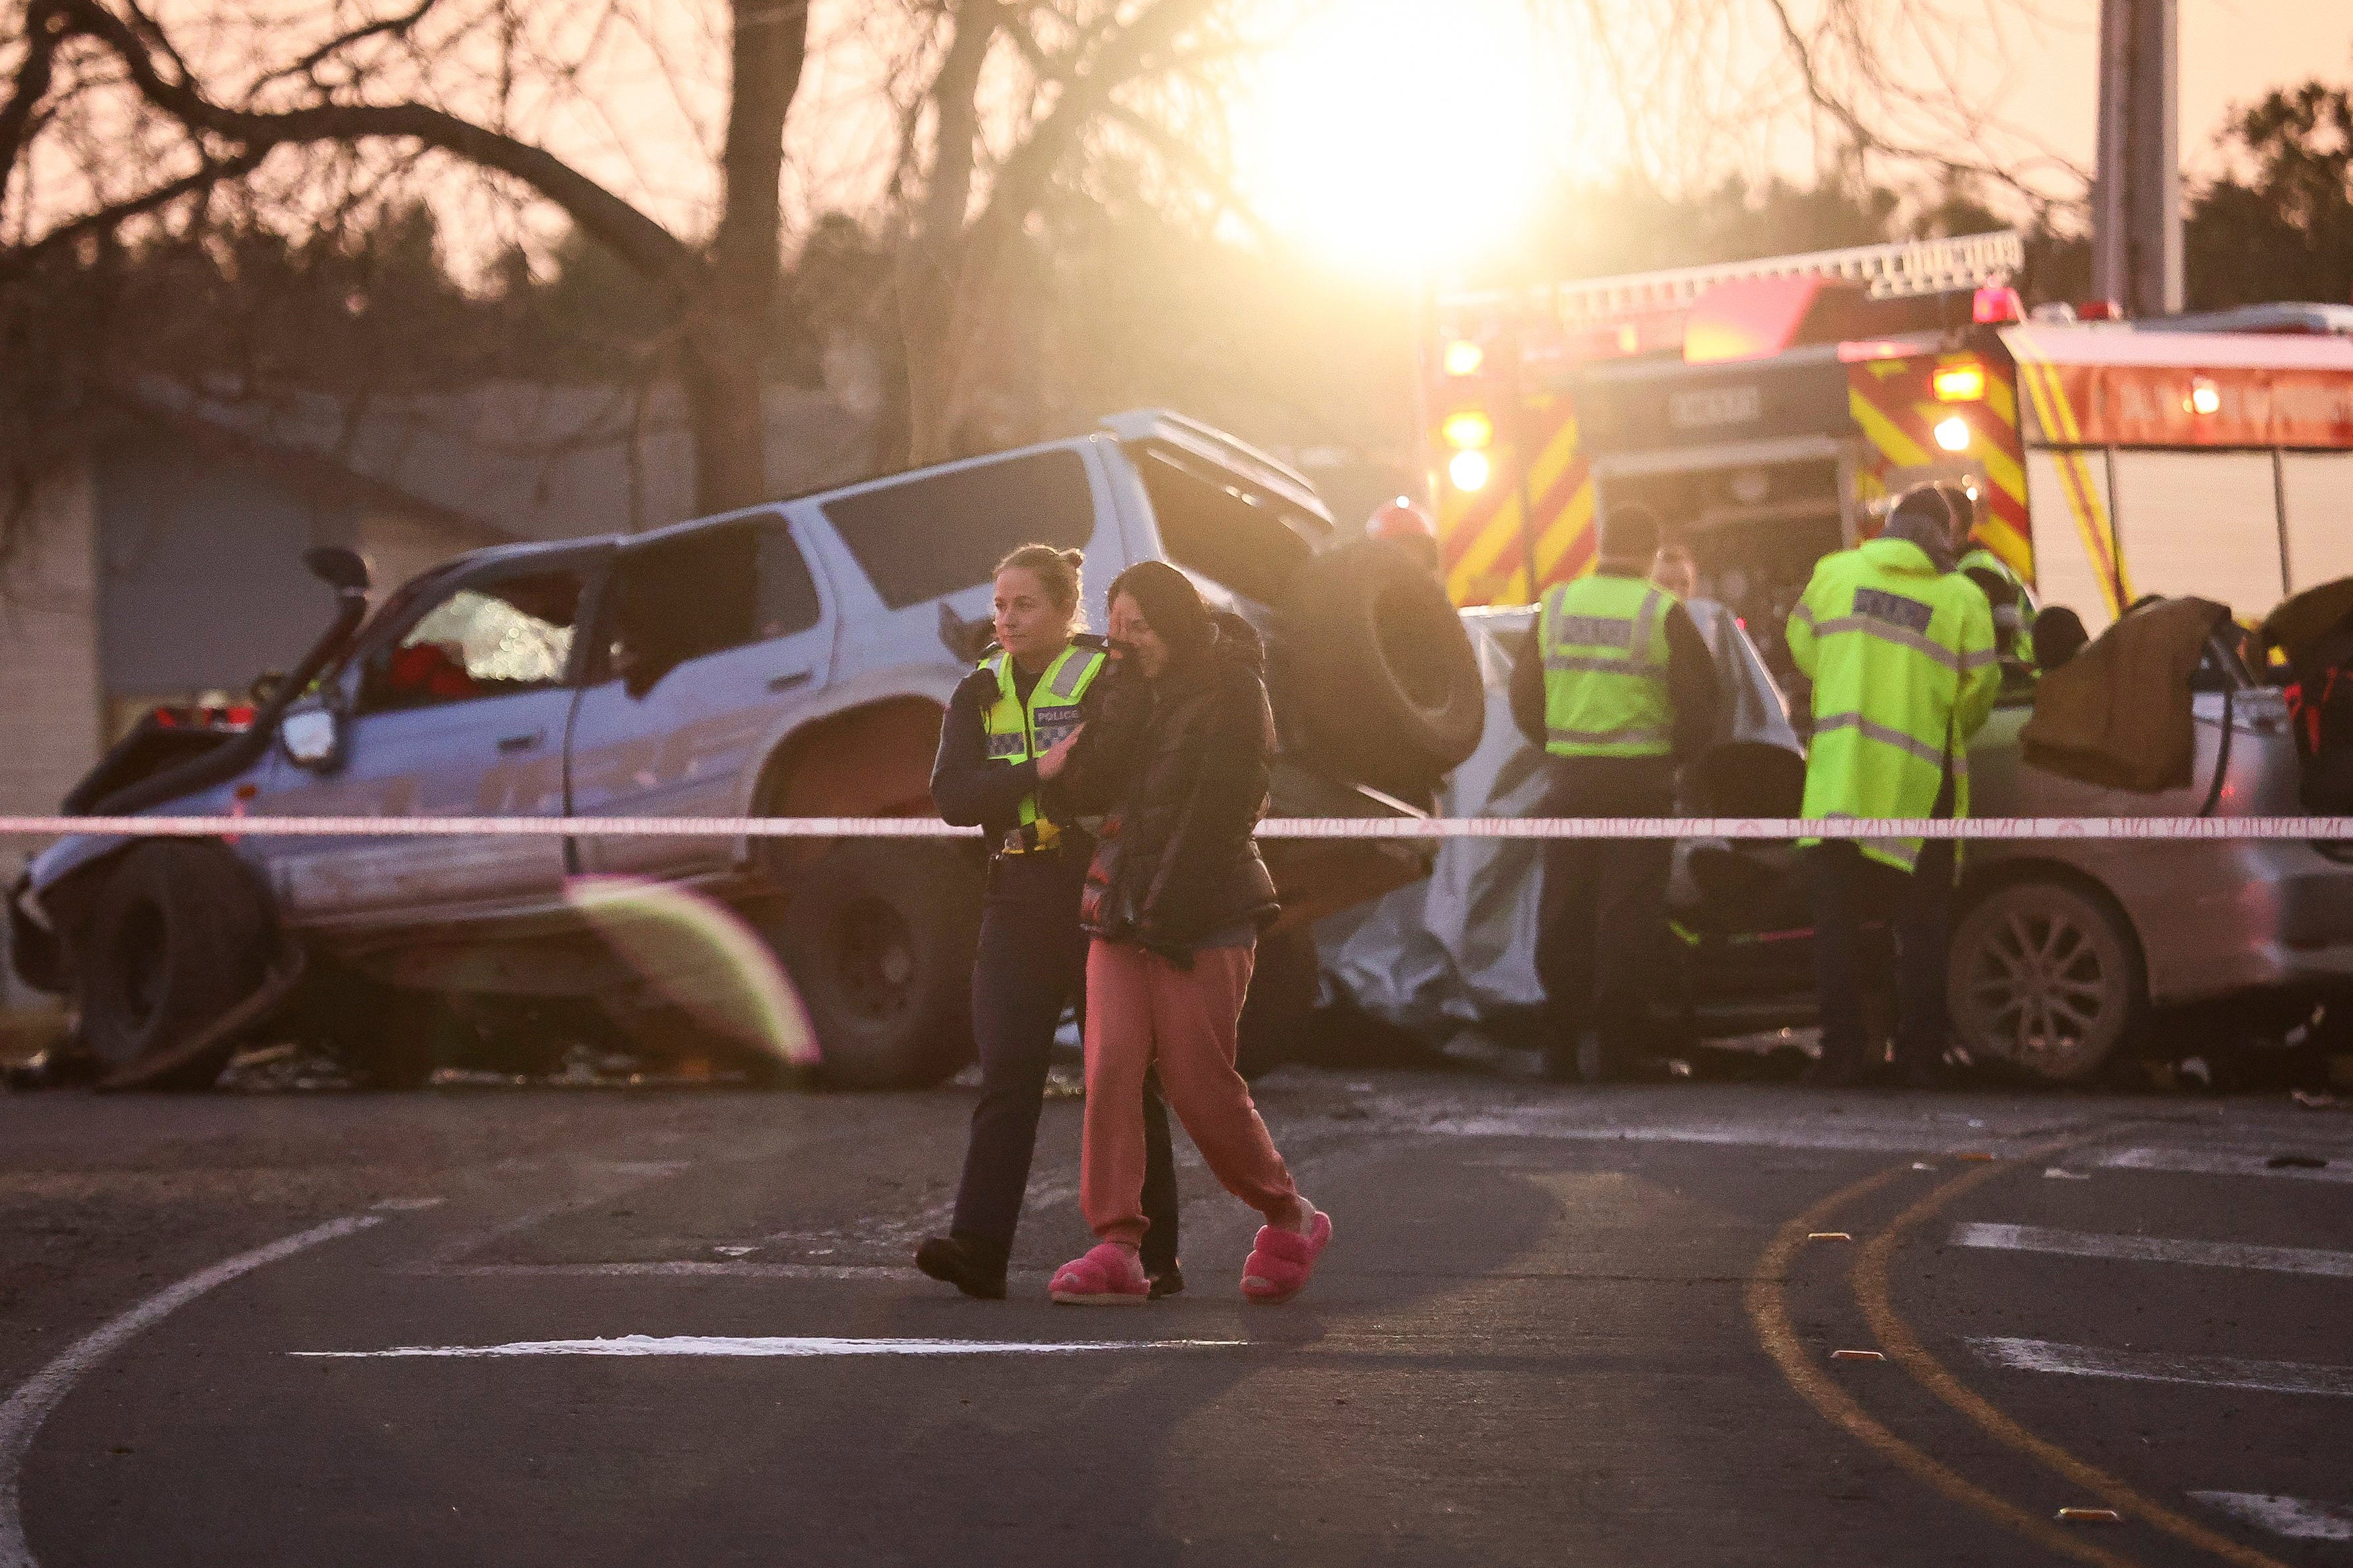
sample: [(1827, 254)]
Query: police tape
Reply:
[(1997, 828)]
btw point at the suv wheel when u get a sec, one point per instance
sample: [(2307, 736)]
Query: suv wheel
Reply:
[(2045, 977), (177, 936), (1390, 683), (880, 938)]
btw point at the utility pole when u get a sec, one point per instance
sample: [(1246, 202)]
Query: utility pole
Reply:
[(2136, 195)]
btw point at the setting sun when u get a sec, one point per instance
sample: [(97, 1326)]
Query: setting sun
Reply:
[(1397, 135)]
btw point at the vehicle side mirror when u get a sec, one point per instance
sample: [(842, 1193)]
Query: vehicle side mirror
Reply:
[(312, 737), (345, 571)]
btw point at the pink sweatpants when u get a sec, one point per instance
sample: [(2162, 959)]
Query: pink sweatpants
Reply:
[(1142, 1009)]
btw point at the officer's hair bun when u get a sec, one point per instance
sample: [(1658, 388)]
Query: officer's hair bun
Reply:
[(1075, 558)]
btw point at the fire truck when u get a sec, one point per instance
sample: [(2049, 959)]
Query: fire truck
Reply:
[(1767, 409)]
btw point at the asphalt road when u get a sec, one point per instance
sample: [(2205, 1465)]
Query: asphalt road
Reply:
[(1555, 1325)]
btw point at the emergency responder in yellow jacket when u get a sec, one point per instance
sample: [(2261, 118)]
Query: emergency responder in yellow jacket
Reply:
[(1618, 685), (2005, 590), (1900, 649)]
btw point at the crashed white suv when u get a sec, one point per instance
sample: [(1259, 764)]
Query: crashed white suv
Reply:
[(793, 660)]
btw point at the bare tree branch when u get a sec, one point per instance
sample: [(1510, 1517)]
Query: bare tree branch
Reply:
[(644, 244), (106, 219)]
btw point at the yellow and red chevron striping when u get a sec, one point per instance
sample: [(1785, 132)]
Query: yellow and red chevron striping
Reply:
[(1893, 403), (1483, 546)]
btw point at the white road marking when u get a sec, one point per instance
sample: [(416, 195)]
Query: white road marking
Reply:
[(677, 1270), (2291, 1516), (2218, 1162), (2151, 1366), (1894, 1137), (729, 1345), (40, 1394), (2156, 1249)]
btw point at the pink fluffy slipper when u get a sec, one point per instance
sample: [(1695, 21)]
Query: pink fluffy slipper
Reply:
[(1108, 1276), (1281, 1260)]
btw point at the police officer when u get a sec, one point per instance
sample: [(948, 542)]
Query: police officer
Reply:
[(1900, 650), (2005, 590), (1007, 734), (1618, 687)]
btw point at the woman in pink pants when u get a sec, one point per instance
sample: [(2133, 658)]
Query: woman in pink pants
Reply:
[(1179, 757)]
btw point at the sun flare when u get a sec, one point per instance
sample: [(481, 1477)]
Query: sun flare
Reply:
[(1398, 136)]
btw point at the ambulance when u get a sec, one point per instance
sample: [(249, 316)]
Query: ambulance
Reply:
[(1766, 410)]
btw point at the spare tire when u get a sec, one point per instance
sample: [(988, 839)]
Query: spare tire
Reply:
[(177, 936), (1385, 672)]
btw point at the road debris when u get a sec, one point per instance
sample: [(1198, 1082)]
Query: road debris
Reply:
[(2090, 1516), (1858, 1355)]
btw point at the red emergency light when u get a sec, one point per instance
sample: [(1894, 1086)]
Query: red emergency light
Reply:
[(1995, 304)]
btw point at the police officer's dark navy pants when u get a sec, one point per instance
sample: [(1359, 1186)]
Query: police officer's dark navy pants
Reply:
[(1849, 890), (1602, 928), (1032, 964)]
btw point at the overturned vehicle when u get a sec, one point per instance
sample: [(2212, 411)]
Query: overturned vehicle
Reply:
[(789, 660), (2067, 955)]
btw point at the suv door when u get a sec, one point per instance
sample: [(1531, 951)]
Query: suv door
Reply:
[(458, 707), (710, 638)]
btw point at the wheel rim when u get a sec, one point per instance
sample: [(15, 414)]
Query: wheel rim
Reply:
[(2041, 981), (874, 960)]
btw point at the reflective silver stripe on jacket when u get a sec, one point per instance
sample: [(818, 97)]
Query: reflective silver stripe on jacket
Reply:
[(1074, 669), (1629, 737), (1907, 850), (1645, 618), (1886, 736), (1903, 637)]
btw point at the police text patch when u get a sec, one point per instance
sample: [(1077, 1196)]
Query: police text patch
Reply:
[(1894, 608), (1593, 631)]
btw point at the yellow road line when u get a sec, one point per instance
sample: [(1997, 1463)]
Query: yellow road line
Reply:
[(1870, 1280), (1768, 1310)]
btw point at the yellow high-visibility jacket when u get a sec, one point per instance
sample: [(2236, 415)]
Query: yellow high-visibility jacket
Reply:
[(1904, 671)]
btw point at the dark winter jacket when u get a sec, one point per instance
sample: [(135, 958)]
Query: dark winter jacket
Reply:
[(1180, 768)]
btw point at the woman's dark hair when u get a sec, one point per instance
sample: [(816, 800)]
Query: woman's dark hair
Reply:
[(1172, 606), (1056, 570)]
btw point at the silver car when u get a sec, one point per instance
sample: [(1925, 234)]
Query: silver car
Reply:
[(2065, 952)]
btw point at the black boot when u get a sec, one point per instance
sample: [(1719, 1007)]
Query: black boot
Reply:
[(1168, 1278), (973, 1264)]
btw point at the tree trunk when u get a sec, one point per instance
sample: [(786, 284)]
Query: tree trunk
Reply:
[(932, 267), (722, 376), (734, 321)]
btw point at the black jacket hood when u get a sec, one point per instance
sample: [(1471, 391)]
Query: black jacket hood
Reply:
[(1237, 643)]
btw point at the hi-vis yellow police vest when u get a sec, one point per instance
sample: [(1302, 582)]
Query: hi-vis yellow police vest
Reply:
[(1902, 658), (1604, 641), (1018, 733)]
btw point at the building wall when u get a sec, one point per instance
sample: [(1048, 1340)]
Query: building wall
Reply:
[(52, 705), (399, 545)]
